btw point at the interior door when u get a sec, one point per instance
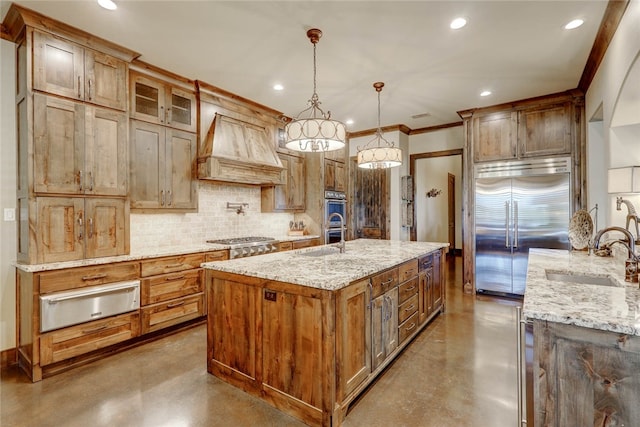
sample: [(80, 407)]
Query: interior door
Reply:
[(493, 236)]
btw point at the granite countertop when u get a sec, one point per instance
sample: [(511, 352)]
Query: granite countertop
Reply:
[(141, 255), (608, 308), (324, 267)]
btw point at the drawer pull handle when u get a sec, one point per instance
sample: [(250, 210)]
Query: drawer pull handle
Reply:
[(178, 265), (175, 304), (410, 289), (411, 307), (94, 277), (413, 325), (168, 279), (127, 287), (386, 282), (91, 331)]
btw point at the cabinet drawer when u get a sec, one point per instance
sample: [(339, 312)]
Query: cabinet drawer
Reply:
[(60, 280), (384, 281), (170, 286), (425, 262), (172, 312), (408, 308), (408, 270), (171, 264), (407, 290), (217, 256), (80, 339), (407, 329), (299, 244), (286, 246)]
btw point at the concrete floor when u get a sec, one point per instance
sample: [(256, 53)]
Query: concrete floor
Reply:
[(460, 371)]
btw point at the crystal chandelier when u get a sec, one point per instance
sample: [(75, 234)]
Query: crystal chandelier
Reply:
[(379, 153), (317, 132)]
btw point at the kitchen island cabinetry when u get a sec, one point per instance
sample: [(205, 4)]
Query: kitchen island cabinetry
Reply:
[(278, 320)]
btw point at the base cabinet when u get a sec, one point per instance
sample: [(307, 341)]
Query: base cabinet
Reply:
[(384, 326), (584, 377)]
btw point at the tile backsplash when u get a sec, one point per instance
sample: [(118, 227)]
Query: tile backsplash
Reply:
[(212, 221)]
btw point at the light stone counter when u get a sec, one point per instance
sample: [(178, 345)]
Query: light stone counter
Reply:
[(608, 308), (324, 267)]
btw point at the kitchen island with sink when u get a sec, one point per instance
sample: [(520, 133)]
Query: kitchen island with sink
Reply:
[(586, 340), (308, 330)]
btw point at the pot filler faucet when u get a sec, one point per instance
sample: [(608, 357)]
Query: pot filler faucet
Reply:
[(341, 244)]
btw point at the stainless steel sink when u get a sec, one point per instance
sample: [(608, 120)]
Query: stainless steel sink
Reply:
[(586, 279), (325, 250)]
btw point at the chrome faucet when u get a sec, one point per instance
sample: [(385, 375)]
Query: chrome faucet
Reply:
[(341, 244)]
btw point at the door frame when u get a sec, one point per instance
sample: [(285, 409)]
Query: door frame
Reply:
[(412, 169)]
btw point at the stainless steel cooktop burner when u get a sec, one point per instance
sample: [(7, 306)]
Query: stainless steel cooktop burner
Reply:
[(248, 246)]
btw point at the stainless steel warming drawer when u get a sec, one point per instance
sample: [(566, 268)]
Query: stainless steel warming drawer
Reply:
[(83, 305)]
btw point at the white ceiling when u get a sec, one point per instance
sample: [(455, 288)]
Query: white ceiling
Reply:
[(517, 49)]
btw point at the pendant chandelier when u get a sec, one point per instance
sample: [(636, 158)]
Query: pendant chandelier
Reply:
[(379, 153), (316, 132)]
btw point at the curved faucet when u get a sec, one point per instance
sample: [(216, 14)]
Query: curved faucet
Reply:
[(631, 247), (341, 218)]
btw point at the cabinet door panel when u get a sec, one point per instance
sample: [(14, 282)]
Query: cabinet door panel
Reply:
[(494, 137), (58, 66), (106, 152), (60, 229), (146, 164), (147, 99), (105, 80), (340, 177), (58, 144), (545, 130), (329, 175), (180, 183), (182, 110), (106, 227)]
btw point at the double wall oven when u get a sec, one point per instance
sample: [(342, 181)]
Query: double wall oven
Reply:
[(334, 202)]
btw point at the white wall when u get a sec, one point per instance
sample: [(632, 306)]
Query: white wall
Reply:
[(7, 195), (615, 143)]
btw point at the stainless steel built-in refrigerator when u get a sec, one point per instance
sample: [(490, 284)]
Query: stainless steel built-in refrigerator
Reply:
[(518, 205)]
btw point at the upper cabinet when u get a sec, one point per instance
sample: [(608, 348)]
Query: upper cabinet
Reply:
[(334, 175), (64, 68), (545, 130), (290, 195), (495, 134), (162, 103)]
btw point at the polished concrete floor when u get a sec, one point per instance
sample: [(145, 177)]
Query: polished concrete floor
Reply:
[(460, 371)]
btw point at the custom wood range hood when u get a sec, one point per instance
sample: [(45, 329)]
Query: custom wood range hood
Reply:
[(240, 152)]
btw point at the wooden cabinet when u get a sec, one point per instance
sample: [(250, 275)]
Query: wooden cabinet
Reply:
[(73, 71), (431, 293), (171, 291), (353, 337), (78, 148), (495, 136), (221, 255), (438, 282), (545, 130), (290, 195), (162, 167), (305, 243), (384, 316), (584, 377), (75, 228), (162, 103), (334, 175), (408, 300), (285, 246)]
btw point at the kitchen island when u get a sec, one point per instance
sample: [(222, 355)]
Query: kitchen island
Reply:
[(308, 330), (586, 340)]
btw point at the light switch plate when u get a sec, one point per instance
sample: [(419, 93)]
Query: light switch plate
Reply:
[(9, 214)]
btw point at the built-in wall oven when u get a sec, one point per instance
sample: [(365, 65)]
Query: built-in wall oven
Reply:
[(334, 202)]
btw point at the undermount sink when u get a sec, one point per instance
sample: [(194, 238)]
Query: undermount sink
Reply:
[(586, 279), (325, 250)]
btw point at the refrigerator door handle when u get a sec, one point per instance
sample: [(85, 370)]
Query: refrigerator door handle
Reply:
[(506, 224), (515, 224)]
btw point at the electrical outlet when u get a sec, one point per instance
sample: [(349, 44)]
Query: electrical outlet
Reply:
[(9, 214)]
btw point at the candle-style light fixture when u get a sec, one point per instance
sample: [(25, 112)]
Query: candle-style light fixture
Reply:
[(317, 132), (379, 153)]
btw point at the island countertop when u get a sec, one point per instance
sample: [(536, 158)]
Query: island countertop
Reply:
[(607, 308), (324, 267)]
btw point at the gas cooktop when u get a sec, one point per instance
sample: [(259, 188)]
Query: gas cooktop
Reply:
[(248, 246), (242, 240)]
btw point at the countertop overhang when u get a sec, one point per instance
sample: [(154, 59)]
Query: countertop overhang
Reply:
[(324, 267), (607, 308)]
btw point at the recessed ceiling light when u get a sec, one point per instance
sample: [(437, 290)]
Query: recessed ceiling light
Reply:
[(485, 93), (574, 24), (108, 4), (278, 86), (349, 121), (458, 23)]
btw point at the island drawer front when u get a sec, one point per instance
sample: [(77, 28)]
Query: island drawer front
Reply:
[(407, 290), (408, 270), (407, 309), (159, 316), (222, 255), (406, 329), (170, 286), (73, 278), (425, 262), (384, 281), (171, 264), (286, 246), (75, 340)]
